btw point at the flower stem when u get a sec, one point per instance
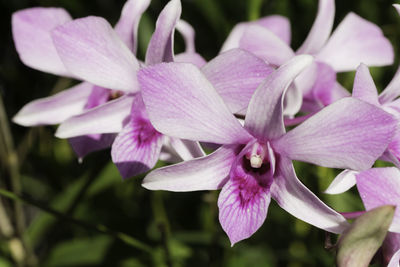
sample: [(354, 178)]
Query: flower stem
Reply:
[(161, 218), (254, 8)]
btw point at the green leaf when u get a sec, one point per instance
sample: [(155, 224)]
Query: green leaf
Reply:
[(359, 243)]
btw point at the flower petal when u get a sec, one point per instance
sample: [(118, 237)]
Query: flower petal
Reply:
[(189, 57), (182, 103), (364, 87), (127, 25), (186, 149), (55, 109), (378, 187), (235, 75), (266, 45), (107, 118), (321, 28), (264, 117), (86, 144), (343, 182), (391, 92), (92, 50), (356, 40), (278, 25), (160, 48), (394, 261), (299, 201), (348, 134), (391, 249), (137, 147), (187, 31), (31, 32), (241, 218), (205, 173)]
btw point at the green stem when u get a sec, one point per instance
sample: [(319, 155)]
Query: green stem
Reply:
[(127, 239), (161, 218), (254, 9)]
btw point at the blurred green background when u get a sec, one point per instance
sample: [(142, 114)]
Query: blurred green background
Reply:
[(98, 212)]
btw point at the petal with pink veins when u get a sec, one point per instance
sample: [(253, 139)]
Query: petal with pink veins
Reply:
[(127, 25), (321, 28), (364, 87), (161, 46), (332, 138), (137, 147), (93, 51), (378, 187), (266, 45), (299, 201), (31, 30), (205, 173), (242, 208), (55, 109), (235, 75), (264, 118), (182, 103), (107, 118), (356, 40)]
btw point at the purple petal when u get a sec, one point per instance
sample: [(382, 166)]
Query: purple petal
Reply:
[(189, 57), (266, 45), (364, 86), (278, 25), (98, 96), (235, 75), (242, 210), (356, 40), (321, 28), (187, 31), (378, 187), (182, 103), (128, 23), (83, 145), (31, 32), (92, 50), (107, 118), (186, 150), (292, 101), (55, 109), (348, 134), (137, 147), (394, 261), (391, 249), (205, 173), (299, 201), (160, 48), (264, 117), (324, 85), (343, 182), (391, 91)]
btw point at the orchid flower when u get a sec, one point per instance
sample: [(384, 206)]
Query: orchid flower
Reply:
[(32, 37), (254, 162), (101, 59), (378, 187), (364, 89), (355, 40)]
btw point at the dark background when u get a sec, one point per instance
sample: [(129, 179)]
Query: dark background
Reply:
[(184, 224)]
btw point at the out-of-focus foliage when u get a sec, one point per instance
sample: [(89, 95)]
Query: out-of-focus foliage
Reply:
[(181, 229), (359, 243)]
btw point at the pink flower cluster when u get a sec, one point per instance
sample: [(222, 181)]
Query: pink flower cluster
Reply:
[(239, 103)]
